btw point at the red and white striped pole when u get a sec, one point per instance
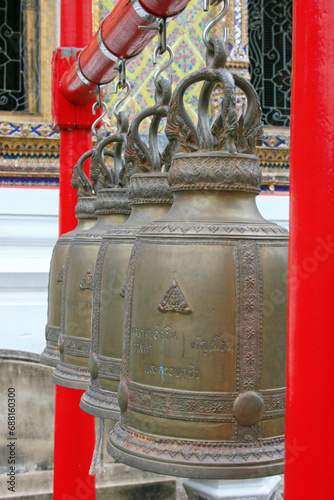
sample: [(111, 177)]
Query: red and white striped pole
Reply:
[(310, 375), (74, 429)]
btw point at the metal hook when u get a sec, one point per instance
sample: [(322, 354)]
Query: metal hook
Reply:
[(122, 73), (119, 102), (100, 118), (214, 22), (161, 28), (165, 66)]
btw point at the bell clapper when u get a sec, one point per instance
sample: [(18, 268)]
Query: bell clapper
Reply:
[(97, 464)]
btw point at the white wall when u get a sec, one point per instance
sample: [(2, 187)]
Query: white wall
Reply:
[(28, 232), (275, 207)]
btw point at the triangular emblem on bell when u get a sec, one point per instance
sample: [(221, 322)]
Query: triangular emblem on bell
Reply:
[(174, 300), (60, 276), (87, 281)]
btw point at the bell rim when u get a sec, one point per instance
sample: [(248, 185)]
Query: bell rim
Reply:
[(50, 356), (61, 376), (97, 411), (190, 470)]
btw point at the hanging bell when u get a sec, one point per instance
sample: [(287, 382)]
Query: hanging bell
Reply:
[(85, 213), (112, 209), (150, 198), (202, 387)]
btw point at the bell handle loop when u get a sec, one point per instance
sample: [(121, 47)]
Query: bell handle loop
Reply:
[(213, 23), (204, 125), (118, 162), (253, 105), (121, 86), (153, 139), (216, 58), (164, 66), (163, 94), (122, 123), (180, 128), (160, 110), (100, 118), (110, 173), (80, 181)]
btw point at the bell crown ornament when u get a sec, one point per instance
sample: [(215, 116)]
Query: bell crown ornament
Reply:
[(202, 386)]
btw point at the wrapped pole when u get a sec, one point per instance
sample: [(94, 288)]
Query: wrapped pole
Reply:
[(119, 36)]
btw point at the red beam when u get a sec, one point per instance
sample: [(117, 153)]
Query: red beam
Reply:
[(122, 37), (310, 379)]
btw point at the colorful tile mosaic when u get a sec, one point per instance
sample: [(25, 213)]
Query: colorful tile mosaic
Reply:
[(185, 39)]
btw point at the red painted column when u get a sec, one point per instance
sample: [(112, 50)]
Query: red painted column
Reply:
[(74, 429), (74, 445), (75, 31), (75, 23), (310, 376), (73, 144)]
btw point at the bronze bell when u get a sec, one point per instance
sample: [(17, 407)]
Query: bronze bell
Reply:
[(112, 208), (202, 387), (85, 213), (150, 198)]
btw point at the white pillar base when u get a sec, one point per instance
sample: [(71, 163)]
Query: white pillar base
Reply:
[(263, 488)]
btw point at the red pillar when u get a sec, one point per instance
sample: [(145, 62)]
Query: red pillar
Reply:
[(74, 445), (75, 31), (310, 376), (73, 144), (74, 429)]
